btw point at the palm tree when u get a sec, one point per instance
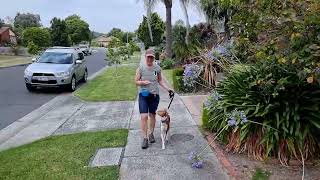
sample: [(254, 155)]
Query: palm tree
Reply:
[(150, 4)]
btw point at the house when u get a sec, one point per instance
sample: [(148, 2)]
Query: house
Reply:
[(103, 41), (7, 36)]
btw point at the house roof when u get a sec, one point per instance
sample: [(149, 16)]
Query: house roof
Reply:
[(3, 29), (103, 38)]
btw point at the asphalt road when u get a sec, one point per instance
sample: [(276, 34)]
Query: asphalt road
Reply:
[(16, 101)]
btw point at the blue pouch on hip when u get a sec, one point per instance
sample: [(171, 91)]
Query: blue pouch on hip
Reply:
[(144, 92)]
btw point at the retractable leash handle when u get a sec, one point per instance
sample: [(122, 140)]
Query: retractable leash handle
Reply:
[(171, 96)]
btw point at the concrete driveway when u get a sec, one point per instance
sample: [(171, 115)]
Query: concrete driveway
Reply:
[(16, 101)]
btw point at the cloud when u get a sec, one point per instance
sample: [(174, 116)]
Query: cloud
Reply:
[(102, 15)]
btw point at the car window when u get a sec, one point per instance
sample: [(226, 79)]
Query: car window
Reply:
[(56, 58)]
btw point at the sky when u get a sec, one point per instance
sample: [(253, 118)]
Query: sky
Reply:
[(102, 15)]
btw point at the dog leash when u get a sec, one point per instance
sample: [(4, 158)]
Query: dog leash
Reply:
[(171, 96)]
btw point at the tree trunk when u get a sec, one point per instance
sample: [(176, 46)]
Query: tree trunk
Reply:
[(226, 24), (185, 12), (168, 4), (149, 13)]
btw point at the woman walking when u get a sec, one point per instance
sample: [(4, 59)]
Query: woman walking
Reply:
[(148, 78)]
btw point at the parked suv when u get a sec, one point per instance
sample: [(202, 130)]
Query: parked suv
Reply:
[(57, 67)]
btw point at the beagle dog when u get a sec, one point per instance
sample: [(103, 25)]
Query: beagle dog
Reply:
[(165, 126)]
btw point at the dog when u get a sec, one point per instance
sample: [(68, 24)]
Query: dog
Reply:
[(165, 126)]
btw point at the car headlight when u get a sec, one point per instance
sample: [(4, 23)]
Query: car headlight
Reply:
[(63, 74), (27, 72)]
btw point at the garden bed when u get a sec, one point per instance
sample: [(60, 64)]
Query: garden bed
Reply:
[(244, 167)]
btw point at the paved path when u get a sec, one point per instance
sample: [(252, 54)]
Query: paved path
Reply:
[(16, 101), (194, 104), (171, 163)]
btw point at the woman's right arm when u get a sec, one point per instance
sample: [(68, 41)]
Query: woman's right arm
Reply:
[(138, 79)]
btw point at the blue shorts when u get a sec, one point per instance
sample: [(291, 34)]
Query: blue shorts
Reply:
[(148, 104)]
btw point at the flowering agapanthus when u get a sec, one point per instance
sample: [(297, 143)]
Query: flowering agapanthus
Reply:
[(191, 75), (243, 117), (236, 117), (198, 164), (196, 161), (232, 122), (216, 96), (212, 99)]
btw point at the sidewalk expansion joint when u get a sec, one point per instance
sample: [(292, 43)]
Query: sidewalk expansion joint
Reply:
[(68, 118)]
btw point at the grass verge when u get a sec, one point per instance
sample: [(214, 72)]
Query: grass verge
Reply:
[(61, 157), (168, 75), (8, 61), (108, 87), (134, 59)]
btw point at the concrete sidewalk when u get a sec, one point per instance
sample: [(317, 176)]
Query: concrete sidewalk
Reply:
[(172, 163)]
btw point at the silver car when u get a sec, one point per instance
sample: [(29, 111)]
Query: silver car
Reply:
[(85, 49), (57, 67)]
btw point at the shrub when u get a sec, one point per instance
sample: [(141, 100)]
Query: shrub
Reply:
[(33, 49), (39, 36), (205, 118), (274, 95), (167, 64), (133, 47), (281, 89), (177, 76)]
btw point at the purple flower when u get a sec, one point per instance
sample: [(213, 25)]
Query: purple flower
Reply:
[(232, 122), (207, 103), (197, 164), (243, 117), (192, 155), (216, 96)]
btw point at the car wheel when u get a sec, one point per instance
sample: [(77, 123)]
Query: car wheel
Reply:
[(30, 88), (73, 84), (85, 76)]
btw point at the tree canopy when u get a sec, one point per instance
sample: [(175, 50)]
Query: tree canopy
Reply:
[(25, 20), (158, 28), (77, 29), (39, 36), (116, 32), (59, 34)]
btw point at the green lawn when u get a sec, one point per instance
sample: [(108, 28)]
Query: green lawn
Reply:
[(168, 75), (134, 59), (107, 87), (7, 61), (61, 157)]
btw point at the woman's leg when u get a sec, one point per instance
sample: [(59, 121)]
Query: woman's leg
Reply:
[(152, 124), (143, 108), (144, 125)]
